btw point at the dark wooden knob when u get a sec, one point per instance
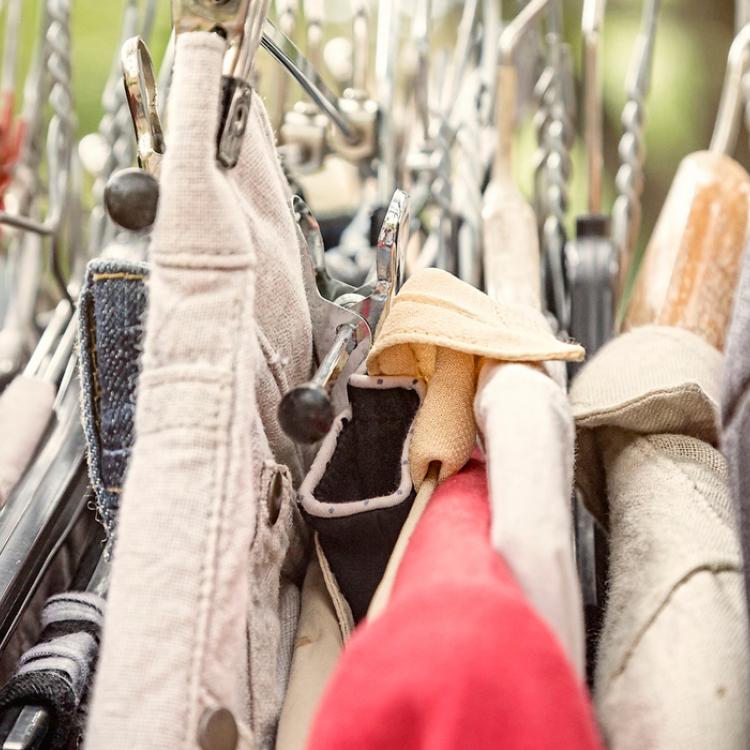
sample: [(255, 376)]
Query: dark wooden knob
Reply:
[(131, 197), (306, 413)]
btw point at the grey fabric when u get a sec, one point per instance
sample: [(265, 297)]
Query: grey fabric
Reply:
[(112, 305), (735, 412)]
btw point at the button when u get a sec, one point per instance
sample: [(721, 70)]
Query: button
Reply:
[(218, 730)]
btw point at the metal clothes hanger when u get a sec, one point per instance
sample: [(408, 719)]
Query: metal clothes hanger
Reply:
[(54, 71), (11, 128), (555, 130), (691, 266), (286, 18), (344, 328), (626, 213), (511, 244)]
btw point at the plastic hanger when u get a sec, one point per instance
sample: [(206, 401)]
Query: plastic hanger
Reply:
[(692, 261)]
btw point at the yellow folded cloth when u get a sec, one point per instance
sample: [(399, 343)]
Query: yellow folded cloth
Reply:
[(438, 329)]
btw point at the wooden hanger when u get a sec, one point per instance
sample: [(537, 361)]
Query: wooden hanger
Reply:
[(692, 262)]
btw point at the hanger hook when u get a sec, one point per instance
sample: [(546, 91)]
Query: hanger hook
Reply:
[(142, 97), (505, 104), (240, 22), (726, 129)]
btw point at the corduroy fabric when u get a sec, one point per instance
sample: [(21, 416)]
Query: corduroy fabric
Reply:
[(437, 328), (458, 659), (672, 664), (191, 624), (528, 435)]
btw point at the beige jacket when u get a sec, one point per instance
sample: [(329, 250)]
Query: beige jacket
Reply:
[(204, 601), (672, 666)]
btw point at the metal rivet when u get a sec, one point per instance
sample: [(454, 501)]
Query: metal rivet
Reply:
[(218, 730)]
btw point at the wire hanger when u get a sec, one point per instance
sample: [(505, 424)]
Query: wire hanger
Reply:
[(626, 212)]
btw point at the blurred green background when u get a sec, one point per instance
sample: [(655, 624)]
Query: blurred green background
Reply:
[(691, 48)]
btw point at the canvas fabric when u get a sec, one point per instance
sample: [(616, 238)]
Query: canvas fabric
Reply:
[(672, 665), (528, 435), (438, 328), (207, 504)]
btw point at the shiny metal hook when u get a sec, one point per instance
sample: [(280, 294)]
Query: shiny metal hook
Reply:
[(345, 329), (626, 213), (506, 101), (726, 128), (140, 89), (592, 23)]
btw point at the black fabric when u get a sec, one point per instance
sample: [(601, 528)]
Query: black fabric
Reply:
[(367, 459), (368, 462), (69, 641)]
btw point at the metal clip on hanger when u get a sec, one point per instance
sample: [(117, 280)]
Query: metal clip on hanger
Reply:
[(240, 22), (346, 126), (344, 328), (626, 213), (132, 195)]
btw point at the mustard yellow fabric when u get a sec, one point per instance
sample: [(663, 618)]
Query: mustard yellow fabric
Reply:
[(439, 328)]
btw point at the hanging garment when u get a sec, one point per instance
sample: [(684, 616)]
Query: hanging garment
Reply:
[(55, 673), (458, 658), (356, 497), (673, 651), (208, 501), (436, 330), (528, 436), (359, 491), (735, 411)]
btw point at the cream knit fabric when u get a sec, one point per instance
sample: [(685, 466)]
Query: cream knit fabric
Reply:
[(437, 329), (200, 609), (528, 435), (672, 666)]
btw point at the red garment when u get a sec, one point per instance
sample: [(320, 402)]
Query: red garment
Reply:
[(458, 660)]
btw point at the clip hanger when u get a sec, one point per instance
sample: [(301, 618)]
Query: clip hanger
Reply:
[(240, 23), (141, 93), (343, 328)]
